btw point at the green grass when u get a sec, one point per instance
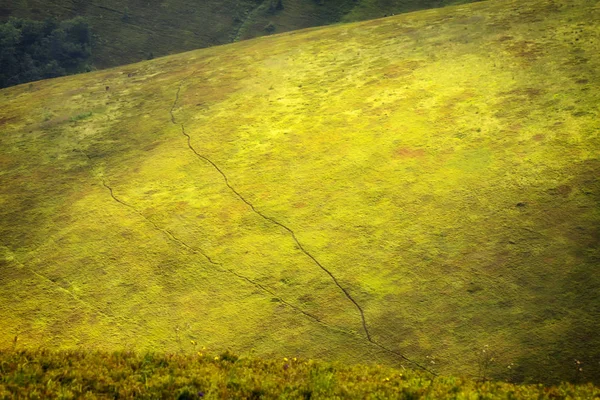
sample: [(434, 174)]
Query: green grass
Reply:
[(79, 117), (90, 375), (442, 165)]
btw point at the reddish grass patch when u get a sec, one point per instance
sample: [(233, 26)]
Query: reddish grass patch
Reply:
[(407, 152)]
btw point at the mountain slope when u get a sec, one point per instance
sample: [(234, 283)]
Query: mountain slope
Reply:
[(420, 189), (129, 31)]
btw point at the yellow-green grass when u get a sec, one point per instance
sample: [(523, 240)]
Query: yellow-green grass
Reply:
[(90, 375), (441, 165)]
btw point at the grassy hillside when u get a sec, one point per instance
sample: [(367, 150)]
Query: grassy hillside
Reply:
[(297, 14), (418, 190), (67, 375), (129, 31)]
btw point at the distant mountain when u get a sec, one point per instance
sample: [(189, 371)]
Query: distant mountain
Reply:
[(129, 31)]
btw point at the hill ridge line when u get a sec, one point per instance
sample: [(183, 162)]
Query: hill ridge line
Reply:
[(292, 233)]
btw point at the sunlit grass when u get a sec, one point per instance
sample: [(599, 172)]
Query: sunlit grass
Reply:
[(441, 165)]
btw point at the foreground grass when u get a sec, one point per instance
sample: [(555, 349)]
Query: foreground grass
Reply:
[(79, 374)]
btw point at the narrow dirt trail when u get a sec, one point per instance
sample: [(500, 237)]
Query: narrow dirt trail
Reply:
[(291, 233), (195, 250)]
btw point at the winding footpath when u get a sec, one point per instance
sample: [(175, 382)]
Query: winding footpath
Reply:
[(292, 234)]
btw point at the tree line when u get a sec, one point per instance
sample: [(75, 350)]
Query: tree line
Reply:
[(33, 50)]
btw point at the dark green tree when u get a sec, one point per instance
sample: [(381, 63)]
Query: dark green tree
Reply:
[(275, 6), (32, 50)]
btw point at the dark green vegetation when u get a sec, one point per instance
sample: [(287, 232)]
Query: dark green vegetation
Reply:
[(128, 31), (33, 50), (124, 375), (414, 189)]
